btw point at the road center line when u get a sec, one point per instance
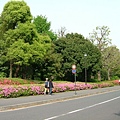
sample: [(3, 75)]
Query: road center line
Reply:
[(51, 118)]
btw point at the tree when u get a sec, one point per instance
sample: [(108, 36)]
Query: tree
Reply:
[(61, 32), (43, 26), (41, 23), (72, 48), (99, 37), (23, 46), (14, 12), (52, 64), (111, 62)]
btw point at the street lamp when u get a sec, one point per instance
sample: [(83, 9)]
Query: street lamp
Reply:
[(85, 55)]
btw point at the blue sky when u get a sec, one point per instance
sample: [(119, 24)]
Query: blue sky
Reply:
[(81, 16)]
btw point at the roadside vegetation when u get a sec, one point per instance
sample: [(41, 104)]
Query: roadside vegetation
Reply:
[(10, 88), (30, 51)]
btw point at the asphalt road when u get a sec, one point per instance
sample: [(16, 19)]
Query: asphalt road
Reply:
[(96, 107)]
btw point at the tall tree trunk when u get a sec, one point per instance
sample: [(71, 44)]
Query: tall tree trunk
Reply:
[(11, 65), (108, 73), (24, 70), (99, 76), (16, 72)]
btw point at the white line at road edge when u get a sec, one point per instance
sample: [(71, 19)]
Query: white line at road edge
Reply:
[(51, 118)]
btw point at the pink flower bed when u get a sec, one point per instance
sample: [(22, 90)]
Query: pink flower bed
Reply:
[(13, 91), (62, 87), (8, 91), (117, 82)]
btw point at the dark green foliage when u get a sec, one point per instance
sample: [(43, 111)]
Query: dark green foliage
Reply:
[(72, 49)]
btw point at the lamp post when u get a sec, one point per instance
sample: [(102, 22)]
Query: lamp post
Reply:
[(85, 55)]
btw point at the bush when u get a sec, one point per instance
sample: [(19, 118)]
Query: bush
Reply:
[(115, 78), (94, 80), (2, 74), (15, 81), (10, 91)]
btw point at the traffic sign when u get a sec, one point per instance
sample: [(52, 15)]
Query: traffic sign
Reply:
[(73, 71)]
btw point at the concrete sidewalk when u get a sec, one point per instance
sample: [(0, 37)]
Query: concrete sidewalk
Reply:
[(21, 102)]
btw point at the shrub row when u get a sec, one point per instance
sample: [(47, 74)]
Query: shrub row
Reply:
[(11, 91)]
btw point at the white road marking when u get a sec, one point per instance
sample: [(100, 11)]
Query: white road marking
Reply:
[(51, 118)]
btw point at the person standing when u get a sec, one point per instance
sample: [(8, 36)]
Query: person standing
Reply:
[(46, 86), (50, 87)]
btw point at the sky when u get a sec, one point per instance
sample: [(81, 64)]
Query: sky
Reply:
[(78, 16)]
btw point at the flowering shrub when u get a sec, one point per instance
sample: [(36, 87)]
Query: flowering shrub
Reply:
[(14, 82), (9, 91), (9, 82), (12, 91), (116, 82)]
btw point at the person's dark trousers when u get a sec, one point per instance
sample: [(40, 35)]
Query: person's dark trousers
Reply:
[(50, 91)]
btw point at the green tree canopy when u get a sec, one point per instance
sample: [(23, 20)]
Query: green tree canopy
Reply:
[(14, 12), (72, 48), (110, 61), (25, 45), (21, 42), (43, 26)]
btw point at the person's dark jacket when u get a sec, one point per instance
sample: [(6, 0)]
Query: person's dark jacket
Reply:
[(51, 84)]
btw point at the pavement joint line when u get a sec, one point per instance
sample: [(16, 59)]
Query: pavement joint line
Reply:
[(61, 99)]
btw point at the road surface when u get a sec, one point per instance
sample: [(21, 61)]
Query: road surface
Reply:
[(94, 107)]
